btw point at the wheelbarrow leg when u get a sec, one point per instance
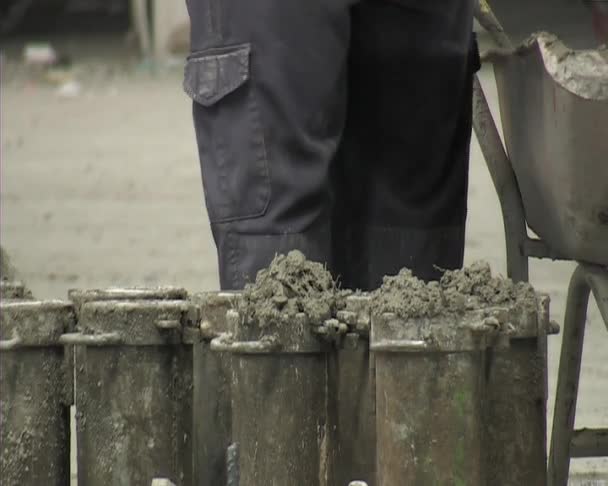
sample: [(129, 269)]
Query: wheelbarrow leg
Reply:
[(505, 184), (568, 378)]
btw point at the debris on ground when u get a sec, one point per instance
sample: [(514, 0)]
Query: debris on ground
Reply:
[(69, 89), (58, 76), (291, 285), (40, 54)]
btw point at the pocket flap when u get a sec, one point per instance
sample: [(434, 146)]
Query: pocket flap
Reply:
[(212, 74)]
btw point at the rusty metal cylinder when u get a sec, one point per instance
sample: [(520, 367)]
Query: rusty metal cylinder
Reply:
[(279, 402), (429, 391), (352, 399), (35, 394), (133, 389), (515, 404), (212, 376)]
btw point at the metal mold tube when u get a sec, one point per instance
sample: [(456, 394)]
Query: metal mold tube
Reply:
[(279, 402), (133, 389), (429, 391), (352, 399), (212, 376), (516, 403), (34, 401)]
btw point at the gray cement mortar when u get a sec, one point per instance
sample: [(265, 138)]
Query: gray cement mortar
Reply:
[(582, 72), (458, 291), (289, 286), (292, 285)]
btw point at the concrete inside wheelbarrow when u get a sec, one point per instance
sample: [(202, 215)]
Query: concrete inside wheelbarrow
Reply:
[(554, 111)]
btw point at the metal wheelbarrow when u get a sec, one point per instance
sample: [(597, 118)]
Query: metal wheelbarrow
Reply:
[(552, 177)]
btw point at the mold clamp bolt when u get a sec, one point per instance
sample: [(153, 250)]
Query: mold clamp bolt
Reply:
[(9, 344)]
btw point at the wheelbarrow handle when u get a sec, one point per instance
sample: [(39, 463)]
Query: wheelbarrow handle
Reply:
[(487, 19)]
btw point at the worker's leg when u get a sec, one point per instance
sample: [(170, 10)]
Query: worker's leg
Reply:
[(268, 81), (403, 164)]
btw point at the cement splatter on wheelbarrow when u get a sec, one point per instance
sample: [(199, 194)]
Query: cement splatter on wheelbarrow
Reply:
[(289, 286)]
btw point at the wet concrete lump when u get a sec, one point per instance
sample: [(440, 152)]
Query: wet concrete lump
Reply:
[(290, 285), (473, 287)]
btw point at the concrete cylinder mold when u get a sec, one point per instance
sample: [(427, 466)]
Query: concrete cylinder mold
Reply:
[(34, 419), (212, 377), (516, 397), (279, 402), (429, 390), (352, 399), (133, 390)]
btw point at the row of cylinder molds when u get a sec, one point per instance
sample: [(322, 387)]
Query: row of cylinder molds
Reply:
[(176, 386)]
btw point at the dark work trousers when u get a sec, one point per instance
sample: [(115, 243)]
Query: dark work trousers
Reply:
[(337, 127)]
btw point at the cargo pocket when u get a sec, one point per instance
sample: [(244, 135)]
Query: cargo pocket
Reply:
[(229, 133)]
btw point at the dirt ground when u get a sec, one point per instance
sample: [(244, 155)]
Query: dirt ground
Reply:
[(104, 189)]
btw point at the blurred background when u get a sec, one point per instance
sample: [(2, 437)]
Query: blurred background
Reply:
[(100, 180)]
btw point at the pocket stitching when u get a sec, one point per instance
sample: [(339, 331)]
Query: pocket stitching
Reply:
[(268, 187), (241, 52)]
